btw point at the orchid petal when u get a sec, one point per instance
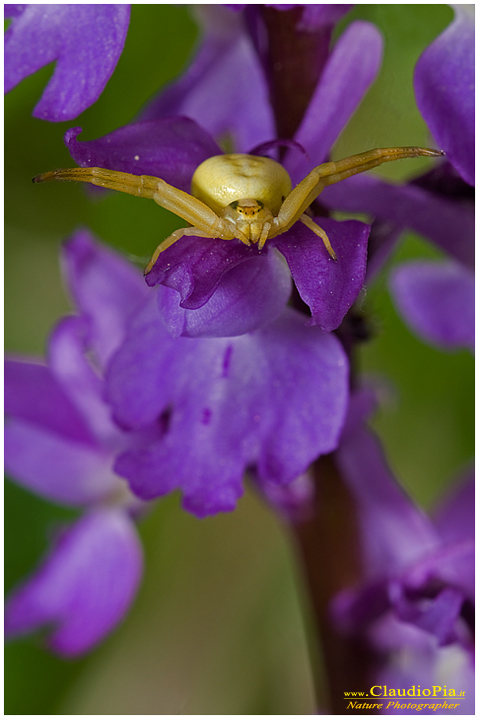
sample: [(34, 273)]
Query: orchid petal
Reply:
[(86, 42), (437, 300), (84, 587)]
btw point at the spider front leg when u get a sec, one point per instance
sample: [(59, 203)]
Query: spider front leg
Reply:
[(171, 239), (330, 173), (206, 223), (139, 185), (171, 198)]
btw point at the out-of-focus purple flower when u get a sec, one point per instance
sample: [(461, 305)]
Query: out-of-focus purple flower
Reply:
[(227, 66), (445, 91), (434, 205), (438, 301), (61, 443), (271, 400), (223, 89), (85, 41), (417, 592), (293, 501), (84, 587)]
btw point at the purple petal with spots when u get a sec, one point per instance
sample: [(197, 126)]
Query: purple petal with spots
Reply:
[(194, 267), (230, 404), (329, 288), (437, 300), (85, 41), (105, 288), (447, 222), (217, 88), (168, 148), (84, 587), (350, 70), (444, 83), (248, 296)]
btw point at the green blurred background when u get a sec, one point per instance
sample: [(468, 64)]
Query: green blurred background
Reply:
[(217, 626)]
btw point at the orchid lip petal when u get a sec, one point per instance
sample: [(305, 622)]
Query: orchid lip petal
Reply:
[(148, 377)]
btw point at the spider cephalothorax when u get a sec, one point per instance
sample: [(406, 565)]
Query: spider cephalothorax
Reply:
[(243, 197)]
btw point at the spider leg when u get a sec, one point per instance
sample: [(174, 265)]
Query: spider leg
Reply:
[(186, 206), (171, 239), (334, 172), (307, 220), (264, 235), (191, 209), (139, 185), (330, 173)]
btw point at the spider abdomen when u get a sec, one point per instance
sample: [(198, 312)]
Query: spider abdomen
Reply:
[(224, 179)]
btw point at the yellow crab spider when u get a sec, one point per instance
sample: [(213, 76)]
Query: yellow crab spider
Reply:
[(246, 197)]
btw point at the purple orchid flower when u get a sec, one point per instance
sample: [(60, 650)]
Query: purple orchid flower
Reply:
[(227, 405), (86, 42), (438, 299), (445, 90), (418, 590), (434, 298), (244, 402), (197, 267), (61, 443)]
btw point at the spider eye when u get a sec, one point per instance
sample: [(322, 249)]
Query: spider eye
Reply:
[(248, 208)]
